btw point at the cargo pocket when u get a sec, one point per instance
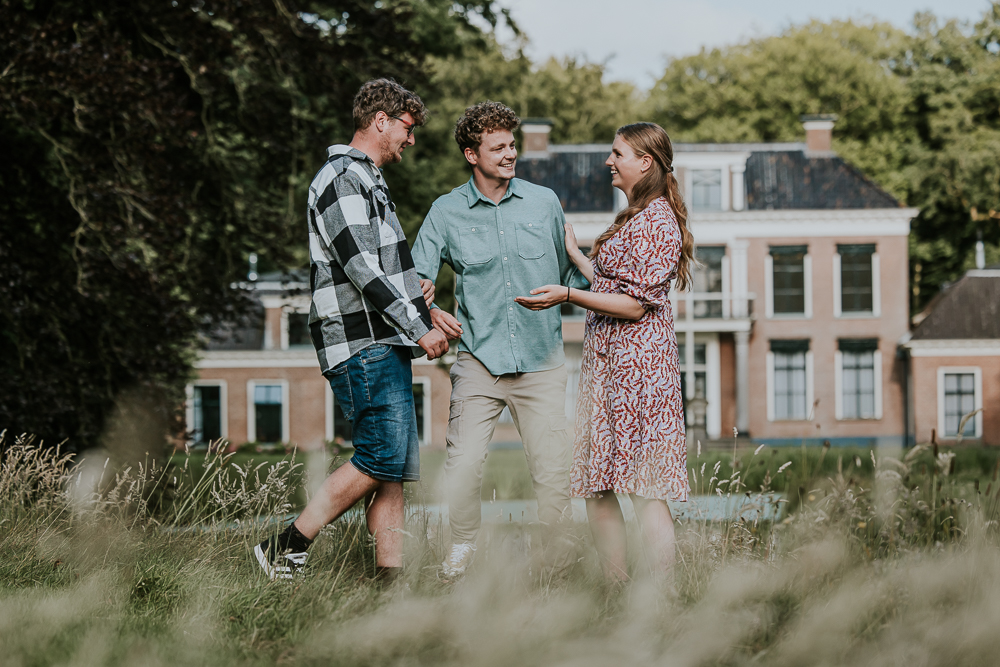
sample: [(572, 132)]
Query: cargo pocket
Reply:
[(454, 434)]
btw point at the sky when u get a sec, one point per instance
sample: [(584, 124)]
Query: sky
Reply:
[(635, 37)]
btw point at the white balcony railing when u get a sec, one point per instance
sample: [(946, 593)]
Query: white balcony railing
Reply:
[(689, 306)]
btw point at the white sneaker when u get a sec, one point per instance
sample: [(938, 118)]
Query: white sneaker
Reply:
[(279, 566), (459, 559)]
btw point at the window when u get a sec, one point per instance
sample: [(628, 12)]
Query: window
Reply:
[(298, 330), (267, 412), (207, 414), (342, 432), (790, 379), (856, 278), (860, 370), (700, 369), (706, 189), (206, 411), (708, 278), (422, 408), (959, 401), (788, 280)]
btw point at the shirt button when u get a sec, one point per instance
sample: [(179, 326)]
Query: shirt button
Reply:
[(508, 283), (501, 233), (510, 308), (505, 259), (512, 335), (473, 229)]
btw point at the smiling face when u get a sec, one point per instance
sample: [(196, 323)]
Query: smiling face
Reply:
[(395, 137), (627, 168), (496, 156)]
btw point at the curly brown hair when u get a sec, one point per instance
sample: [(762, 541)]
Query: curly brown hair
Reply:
[(481, 118), (388, 96)]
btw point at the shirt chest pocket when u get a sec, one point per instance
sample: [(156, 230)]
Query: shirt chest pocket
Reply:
[(532, 240), (479, 245)]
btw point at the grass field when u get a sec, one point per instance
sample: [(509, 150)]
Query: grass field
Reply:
[(887, 563)]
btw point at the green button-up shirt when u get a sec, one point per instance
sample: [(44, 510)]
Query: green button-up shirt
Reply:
[(500, 251)]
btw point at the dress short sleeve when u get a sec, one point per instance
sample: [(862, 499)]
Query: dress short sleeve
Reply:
[(654, 249)]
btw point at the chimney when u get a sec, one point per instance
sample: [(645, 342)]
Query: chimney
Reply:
[(819, 132), (536, 137)]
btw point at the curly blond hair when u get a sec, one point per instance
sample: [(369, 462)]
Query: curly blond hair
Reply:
[(388, 96), (480, 118)]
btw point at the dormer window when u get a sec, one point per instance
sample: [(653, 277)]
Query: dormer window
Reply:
[(298, 330), (706, 189)]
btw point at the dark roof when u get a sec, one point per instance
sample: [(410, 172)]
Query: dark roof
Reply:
[(794, 180), (580, 179), (778, 176), (246, 332), (969, 309)]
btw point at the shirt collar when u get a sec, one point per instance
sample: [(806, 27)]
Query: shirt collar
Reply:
[(350, 151), (473, 194)]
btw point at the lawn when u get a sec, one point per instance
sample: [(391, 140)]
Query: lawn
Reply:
[(876, 564)]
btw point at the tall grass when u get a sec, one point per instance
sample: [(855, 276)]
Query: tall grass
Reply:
[(149, 564)]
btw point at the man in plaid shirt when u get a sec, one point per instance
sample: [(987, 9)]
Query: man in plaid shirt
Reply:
[(368, 318)]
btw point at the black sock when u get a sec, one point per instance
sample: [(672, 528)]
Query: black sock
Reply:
[(292, 540)]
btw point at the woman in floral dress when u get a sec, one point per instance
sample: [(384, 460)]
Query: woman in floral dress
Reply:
[(630, 414)]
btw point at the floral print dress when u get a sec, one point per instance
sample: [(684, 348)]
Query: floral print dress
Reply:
[(630, 415)]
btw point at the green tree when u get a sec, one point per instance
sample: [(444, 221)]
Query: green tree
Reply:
[(917, 112), (953, 77), (148, 148)]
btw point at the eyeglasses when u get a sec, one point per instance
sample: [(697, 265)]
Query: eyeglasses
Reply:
[(409, 126)]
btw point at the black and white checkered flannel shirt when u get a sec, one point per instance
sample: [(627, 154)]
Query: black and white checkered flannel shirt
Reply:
[(364, 287)]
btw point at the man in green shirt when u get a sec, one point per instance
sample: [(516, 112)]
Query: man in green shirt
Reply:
[(503, 237)]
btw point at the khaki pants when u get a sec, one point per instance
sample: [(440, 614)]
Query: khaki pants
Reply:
[(537, 402)]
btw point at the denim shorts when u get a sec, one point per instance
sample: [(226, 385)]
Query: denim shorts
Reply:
[(374, 388)]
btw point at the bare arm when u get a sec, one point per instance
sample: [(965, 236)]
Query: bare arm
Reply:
[(621, 306), (581, 261)]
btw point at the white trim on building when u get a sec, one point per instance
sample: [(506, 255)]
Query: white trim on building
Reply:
[(955, 347)]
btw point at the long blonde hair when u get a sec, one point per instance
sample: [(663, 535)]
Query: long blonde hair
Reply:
[(651, 139)]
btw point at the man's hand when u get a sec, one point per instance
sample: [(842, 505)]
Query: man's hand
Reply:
[(434, 343), (428, 287), (544, 297), (446, 323)]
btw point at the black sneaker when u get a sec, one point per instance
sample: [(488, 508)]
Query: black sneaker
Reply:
[(279, 566)]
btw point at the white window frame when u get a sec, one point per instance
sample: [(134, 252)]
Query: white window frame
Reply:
[(977, 373), (223, 405), (838, 384), (807, 302), (876, 290), (252, 409), (810, 395)]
